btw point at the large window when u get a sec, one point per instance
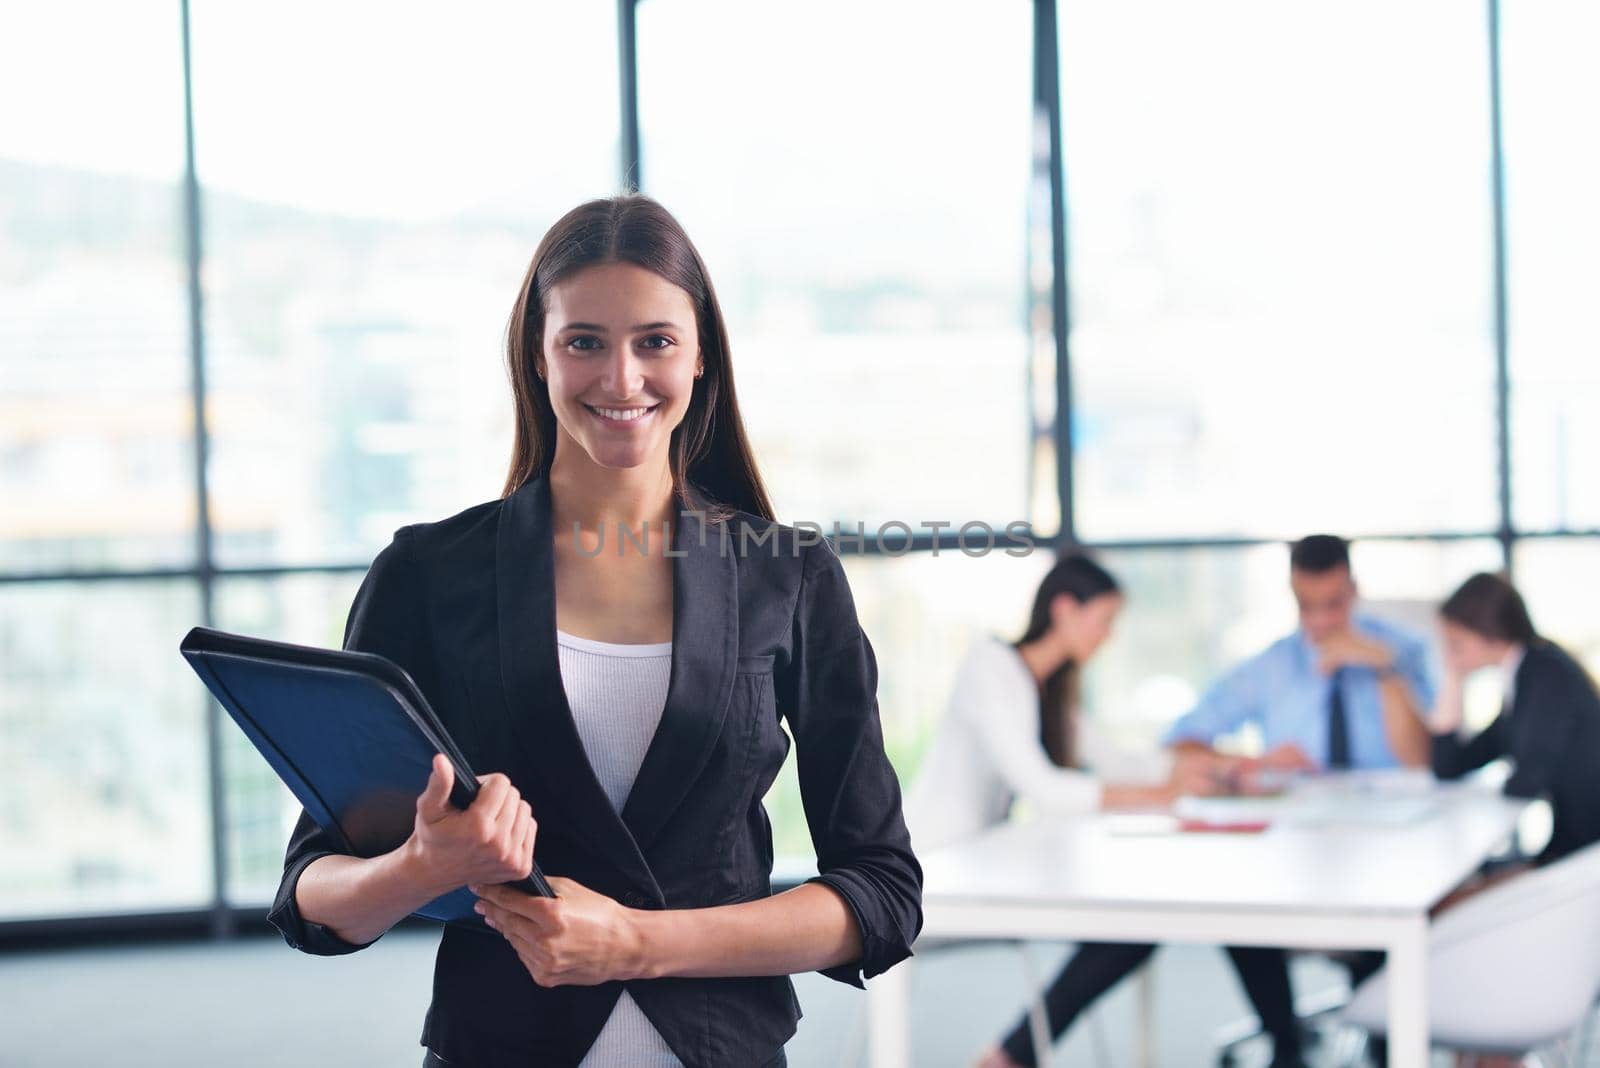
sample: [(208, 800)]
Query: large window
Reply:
[(1552, 86), (96, 428), (1282, 313), (103, 803), (1279, 265), (860, 195), (367, 225)]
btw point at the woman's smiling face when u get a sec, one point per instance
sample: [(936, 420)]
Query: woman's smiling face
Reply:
[(620, 352)]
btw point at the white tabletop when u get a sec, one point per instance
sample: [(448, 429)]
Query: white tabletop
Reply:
[(1330, 846)]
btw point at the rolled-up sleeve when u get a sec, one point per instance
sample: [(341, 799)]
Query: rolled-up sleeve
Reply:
[(1230, 703), (385, 619), (1411, 660), (307, 843), (828, 694)]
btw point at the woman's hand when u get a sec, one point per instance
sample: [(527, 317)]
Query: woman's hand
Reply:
[(578, 938), (1203, 772), (490, 842), (1448, 710)]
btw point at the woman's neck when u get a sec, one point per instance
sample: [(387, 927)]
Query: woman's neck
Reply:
[(593, 497), (1042, 660)]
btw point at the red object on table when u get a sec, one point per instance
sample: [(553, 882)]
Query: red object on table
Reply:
[(1228, 827)]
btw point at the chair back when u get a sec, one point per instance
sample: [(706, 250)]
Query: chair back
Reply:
[(1510, 968)]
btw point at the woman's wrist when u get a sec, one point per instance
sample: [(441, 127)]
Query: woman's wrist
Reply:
[(359, 898), (411, 865), (647, 943)]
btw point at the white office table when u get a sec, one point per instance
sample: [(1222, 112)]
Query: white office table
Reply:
[(1332, 872)]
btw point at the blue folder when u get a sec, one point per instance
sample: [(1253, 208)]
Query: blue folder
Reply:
[(349, 733)]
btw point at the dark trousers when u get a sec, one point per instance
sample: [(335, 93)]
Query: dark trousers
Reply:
[(431, 1059), (1098, 966), (1361, 966)]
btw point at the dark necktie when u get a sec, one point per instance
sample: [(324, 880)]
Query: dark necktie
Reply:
[(1338, 726)]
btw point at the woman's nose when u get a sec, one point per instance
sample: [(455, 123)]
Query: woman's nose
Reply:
[(623, 375)]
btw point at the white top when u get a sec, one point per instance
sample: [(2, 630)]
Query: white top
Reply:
[(617, 693), (987, 754)]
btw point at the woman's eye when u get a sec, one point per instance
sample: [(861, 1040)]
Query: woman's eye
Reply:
[(583, 343), (656, 341)]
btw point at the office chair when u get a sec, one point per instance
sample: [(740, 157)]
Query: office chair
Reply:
[(1512, 970)]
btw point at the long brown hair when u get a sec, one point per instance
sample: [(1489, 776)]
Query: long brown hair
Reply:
[(1489, 606), (709, 448), (1083, 580)]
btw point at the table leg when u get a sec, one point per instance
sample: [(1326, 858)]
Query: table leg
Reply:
[(1147, 1016), (889, 1015), (1407, 965)]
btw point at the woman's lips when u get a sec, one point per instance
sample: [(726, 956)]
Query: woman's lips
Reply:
[(625, 423)]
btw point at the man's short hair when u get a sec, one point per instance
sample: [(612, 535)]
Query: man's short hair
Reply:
[(1319, 553)]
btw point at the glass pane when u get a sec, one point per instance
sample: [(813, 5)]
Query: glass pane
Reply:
[(1550, 89), (920, 611), (308, 610), (367, 229), (1558, 577), (103, 806), (96, 423), (1193, 613), (866, 229), (1280, 267)]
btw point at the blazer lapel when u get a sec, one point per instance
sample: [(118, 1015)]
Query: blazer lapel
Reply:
[(705, 649), (705, 652), (530, 670)]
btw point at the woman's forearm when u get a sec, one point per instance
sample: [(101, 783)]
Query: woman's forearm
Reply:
[(1404, 723), (1447, 712), (800, 930), (1119, 795), (360, 898)]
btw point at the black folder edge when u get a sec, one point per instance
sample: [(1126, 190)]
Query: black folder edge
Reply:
[(202, 643)]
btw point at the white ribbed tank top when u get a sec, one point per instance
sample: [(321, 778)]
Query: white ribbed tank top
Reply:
[(617, 693)]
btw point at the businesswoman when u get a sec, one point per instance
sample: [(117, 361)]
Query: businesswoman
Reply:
[(1549, 723), (616, 640), (1013, 730)]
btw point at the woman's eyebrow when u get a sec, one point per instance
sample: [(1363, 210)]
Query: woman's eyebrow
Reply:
[(598, 329)]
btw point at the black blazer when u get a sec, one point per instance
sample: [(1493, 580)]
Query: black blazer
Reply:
[(763, 630), (1551, 733)]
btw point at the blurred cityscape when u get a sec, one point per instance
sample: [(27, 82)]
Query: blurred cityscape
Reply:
[(1267, 339)]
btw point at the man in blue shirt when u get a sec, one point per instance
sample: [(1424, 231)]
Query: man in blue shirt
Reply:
[(1344, 691)]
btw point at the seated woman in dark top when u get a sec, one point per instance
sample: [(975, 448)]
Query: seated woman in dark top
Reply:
[(1549, 725)]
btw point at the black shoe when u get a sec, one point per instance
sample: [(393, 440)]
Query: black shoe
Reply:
[(1288, 1058)]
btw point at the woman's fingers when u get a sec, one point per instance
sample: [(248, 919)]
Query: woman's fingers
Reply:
[(491, 798), (505, 798), (523, 849), (433, 804)]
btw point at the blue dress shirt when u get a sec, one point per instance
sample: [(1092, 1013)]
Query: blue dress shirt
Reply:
[(1281, 690)]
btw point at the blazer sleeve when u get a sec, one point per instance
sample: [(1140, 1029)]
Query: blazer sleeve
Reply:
[(1546, 710), (1452, 757), (828, 694), (385, 618)]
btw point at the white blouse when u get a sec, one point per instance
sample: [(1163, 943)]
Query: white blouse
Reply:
[(617, 693), (987, 755)]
